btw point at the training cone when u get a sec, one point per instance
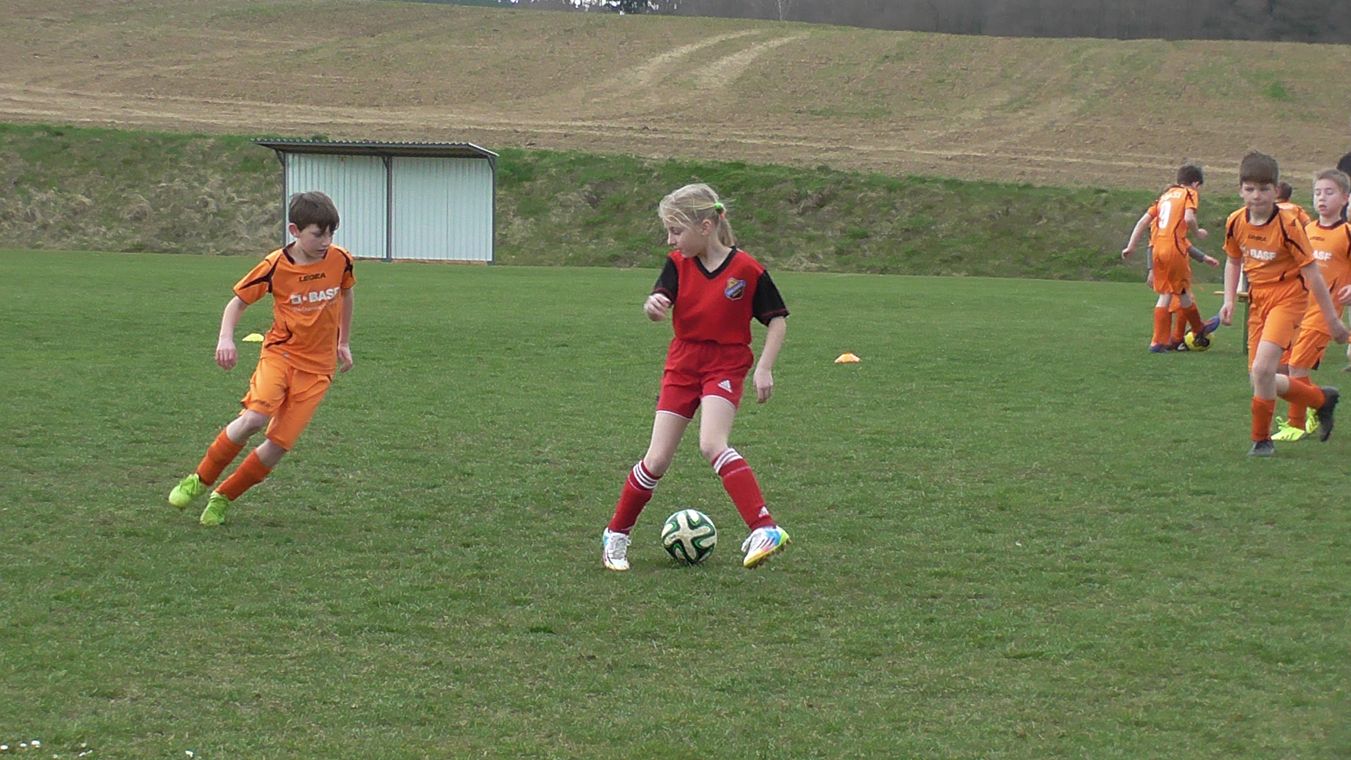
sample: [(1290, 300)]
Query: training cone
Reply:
[(253, 338), (847, 358)]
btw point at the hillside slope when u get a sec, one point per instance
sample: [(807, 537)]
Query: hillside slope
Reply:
[(1058, 112)]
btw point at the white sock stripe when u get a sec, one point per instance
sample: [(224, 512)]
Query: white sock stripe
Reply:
[(641, 477), (728, 455)]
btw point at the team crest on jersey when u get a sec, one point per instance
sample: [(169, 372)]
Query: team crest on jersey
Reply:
[(735, 288)]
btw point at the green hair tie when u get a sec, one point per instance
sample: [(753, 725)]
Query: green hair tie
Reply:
[(718, 207)]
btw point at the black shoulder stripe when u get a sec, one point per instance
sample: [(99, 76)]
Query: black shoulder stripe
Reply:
[(265, 278)]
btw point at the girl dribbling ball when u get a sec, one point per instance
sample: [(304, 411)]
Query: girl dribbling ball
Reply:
[(712, 289)]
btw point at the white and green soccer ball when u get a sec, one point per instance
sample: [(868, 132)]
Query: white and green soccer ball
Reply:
[(689, 536)]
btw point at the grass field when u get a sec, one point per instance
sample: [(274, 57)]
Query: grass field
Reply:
[(1016, 533)]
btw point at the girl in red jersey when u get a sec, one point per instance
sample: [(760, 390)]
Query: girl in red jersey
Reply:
[(712, 289)]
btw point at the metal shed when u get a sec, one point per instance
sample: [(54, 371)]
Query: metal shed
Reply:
[(417, 201)]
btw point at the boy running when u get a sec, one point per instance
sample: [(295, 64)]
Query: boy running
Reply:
[(310, 281)]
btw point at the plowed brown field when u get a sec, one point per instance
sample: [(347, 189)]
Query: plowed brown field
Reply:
[(1062, 112)]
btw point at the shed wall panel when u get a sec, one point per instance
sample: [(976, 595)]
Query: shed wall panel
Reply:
[(358, 188), (443, 209)]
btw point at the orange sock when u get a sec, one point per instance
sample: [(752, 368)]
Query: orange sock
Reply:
[(1304, 393), (251, 472), (1263, 409), (1179, 328), (1161, 320), (219, 455)]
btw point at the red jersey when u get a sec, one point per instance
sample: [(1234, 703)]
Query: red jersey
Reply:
[(1168, 230), (717, 306), (306, 306)]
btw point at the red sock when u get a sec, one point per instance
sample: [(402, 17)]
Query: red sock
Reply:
[(1161, 320), (740, 484), (633, 497), (251, 472), (219, 455), (1303, 392), (1263, 409)]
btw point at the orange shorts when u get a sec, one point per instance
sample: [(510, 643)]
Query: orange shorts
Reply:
[(1313, 338), (287, 395), (1275, 314), (1172, 273)]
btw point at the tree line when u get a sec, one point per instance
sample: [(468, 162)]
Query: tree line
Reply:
[(1270, 20)]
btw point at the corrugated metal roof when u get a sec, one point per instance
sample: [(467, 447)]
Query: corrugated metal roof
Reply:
[(378, 148)]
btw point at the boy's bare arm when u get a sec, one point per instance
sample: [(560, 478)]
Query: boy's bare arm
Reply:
[(226, 355), (1136, 233), (1313, 279), (1193, 226), (345, 331), (1232, 270)]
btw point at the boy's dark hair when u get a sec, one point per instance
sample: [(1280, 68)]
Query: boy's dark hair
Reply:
[(1283, 190), (313, 208), (1259, 169), (1190, 173), (1344, 164)]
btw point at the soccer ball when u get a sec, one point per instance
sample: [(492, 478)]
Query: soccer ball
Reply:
[(1196, 344), (689, 536)]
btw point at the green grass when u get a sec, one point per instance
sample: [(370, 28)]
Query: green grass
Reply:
[(1017, 533), (145, 191)]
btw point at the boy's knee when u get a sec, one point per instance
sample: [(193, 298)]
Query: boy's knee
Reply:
[(711, 449)]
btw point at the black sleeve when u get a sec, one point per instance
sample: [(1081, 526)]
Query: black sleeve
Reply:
[(767, 304), (668, 282)]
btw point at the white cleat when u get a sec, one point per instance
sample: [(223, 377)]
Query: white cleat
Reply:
[(762, 544), (614, 550)]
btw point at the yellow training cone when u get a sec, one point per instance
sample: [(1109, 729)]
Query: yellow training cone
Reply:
[(847, 358), (253, 338)]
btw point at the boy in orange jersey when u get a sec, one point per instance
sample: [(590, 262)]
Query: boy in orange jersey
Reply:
[(310, 281), (1330, 239), (1283, 193), (1274, 254), (1169, 220)]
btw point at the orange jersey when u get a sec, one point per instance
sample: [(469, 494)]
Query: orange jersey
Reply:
[(1332, 250), (1168, 230), (1273, 252), (1300, 213), (306, 306)]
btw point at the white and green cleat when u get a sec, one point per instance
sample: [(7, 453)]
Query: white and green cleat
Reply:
[(187, 489), (762, 544), (216, 507)]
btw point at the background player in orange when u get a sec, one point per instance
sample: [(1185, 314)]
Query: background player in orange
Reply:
[(1330, 240), (712, 289), (310, 281), (1274, 254), (1283, 193), (1169, 220)]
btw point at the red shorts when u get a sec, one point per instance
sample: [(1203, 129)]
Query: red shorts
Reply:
[(287, 395), (695, 370)]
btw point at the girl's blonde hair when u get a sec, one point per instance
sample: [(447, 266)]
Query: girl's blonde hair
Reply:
[(693, 204)]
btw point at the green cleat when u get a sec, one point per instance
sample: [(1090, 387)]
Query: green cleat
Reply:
[(187, 489), (1288, 432), (216, 506)]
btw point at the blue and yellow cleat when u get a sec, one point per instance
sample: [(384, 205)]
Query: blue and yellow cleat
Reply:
[(762, 544)]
